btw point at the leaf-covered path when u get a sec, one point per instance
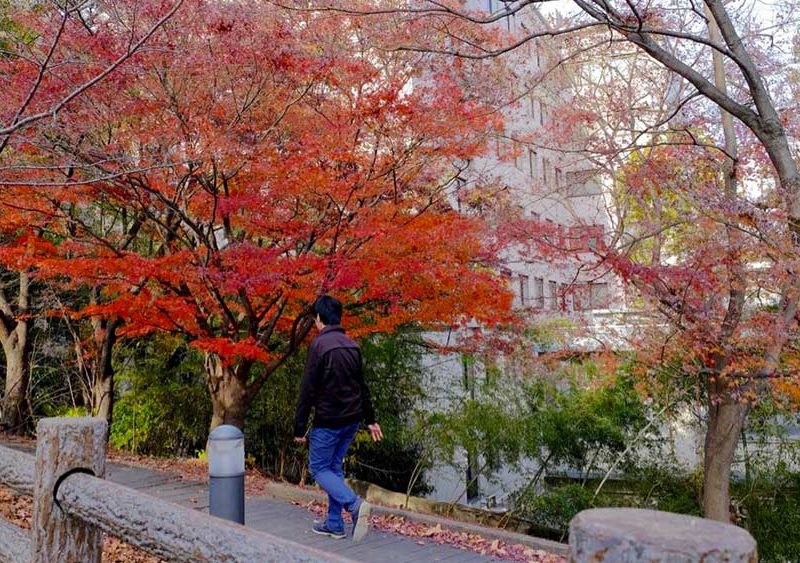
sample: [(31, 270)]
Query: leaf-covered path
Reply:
[(293, 522)]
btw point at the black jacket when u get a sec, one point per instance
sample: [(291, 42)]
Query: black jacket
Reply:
[(333, 383)]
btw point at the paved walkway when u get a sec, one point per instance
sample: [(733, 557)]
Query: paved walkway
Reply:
[(289, 521)]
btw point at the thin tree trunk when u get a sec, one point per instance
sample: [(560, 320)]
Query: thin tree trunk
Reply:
[(15, 339), (726, 415), (102, 400), (103, 396), (473, 490), (17, 350), (725, 423), (227, 385)]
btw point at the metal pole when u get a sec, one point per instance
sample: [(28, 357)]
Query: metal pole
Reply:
[(226, 473)]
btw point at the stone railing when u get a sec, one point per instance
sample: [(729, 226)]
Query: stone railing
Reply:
[(73, 505)]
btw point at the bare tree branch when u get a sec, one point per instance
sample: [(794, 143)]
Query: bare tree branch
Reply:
[(24, 122)]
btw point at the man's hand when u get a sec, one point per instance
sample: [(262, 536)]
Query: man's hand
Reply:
[(376, 432), (299, 439)]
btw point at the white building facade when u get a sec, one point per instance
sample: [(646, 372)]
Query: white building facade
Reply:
[(541, 167), (541, 171)]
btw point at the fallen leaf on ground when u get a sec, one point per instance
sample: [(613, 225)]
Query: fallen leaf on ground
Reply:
[(496, 548)]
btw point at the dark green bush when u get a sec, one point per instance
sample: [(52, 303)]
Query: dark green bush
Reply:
[(770, 510), (393, 370), (269, 428), (554, 509), (162, 406), (579, 426)]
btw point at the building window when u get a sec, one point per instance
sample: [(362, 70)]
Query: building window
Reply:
[(524, 290), (532, 99), (542, 113), (538, 292), (592, 296), (552, 294), (559, 177), (532, 156), (545, 167), (566, 298), (598, 294)]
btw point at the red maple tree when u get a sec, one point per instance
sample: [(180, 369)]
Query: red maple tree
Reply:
[(251, 159), (52, 55)]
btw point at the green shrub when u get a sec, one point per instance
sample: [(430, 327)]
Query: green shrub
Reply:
[(659, 485), (64, 410), (580, 426), (162, 405), (769, 507), (269, 427), (554, 509), (393, 371)]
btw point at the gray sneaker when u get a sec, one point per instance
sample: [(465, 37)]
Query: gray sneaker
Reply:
[(361, 514)]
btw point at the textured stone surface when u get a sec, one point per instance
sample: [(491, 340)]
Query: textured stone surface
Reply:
[(173, 532), (64, 444), (15, 543), (633, 535), (16, 470)]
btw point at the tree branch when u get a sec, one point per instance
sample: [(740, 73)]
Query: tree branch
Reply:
[(9, 129)]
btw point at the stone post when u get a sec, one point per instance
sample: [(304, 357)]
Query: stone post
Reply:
[(65, 444), (627, 534)]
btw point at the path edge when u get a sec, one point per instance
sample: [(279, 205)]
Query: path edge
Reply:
[(293, 493)]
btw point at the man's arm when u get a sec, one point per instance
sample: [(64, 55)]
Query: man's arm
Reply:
[(308, 393)]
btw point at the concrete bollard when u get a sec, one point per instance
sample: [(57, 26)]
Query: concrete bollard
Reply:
[(628, 535), (226, 473)]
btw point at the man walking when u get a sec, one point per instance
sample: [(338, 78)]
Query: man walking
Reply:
[(333, 383)]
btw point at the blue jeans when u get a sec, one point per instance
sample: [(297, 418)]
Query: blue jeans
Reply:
[(327, 448)]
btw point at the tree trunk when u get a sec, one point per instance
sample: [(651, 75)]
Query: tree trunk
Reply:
[(103, 396), (725, 422), (230, 399), (726, 416), (102, 399), (17, 350)]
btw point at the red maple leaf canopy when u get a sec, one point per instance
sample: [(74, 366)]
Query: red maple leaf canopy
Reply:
[(245, 161)]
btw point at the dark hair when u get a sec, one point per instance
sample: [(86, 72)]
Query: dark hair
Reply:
[(329, 310)]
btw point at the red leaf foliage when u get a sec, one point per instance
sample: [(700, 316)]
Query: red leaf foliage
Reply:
[(244, 162)]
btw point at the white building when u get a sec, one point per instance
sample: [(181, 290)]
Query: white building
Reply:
[(551, 183), (556, 277)]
